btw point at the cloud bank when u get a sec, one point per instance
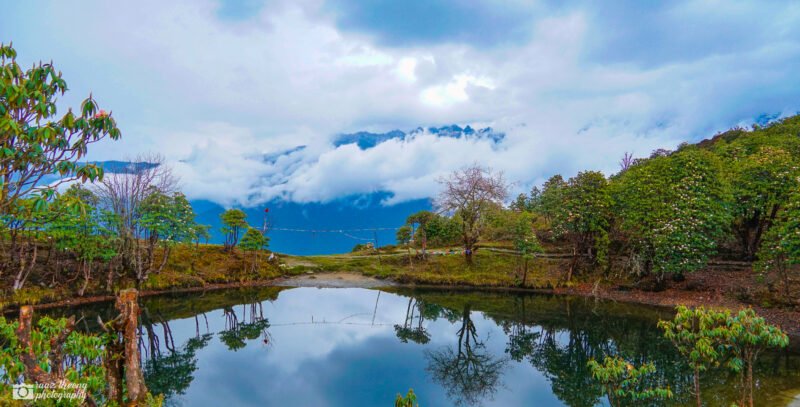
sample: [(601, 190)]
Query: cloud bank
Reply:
[(227, 90)]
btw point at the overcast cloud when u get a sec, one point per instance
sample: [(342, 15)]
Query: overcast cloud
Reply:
[(217, 86)]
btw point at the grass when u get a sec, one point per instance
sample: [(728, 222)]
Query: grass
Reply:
[(189, 266), (192, 266), (488, 269)]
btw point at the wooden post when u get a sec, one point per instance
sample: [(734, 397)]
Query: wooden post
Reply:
[(128, 307)]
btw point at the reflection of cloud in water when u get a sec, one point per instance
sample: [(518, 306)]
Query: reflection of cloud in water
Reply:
[(520, 350)]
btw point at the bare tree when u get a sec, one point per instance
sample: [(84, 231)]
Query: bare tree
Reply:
[(626, 161), (122, 192), (468, 193)]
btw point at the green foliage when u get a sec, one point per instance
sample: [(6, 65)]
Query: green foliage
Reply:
[(749, 335), (403, 235), (443, 231), (418, 223), (254, 241), (699, 334), (584, 215), (524, 238), (82, 362), (551, 197), (672, 210), (233, 221), (624, 383), (34, 142), (780, 251), (707, 337), (168, 218), (409, 400)]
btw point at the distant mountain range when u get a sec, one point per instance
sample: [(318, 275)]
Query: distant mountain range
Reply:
[(331, 227), (366, 140)]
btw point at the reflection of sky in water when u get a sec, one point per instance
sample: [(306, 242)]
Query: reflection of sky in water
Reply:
[(334, 347), (343, 359)]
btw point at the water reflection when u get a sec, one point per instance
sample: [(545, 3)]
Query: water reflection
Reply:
[(344, 347), (470, 373)]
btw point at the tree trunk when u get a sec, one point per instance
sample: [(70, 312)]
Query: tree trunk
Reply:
[(697, 387), (24, 268), (525, 273), (128, 307), (87, 271), (750, 382)]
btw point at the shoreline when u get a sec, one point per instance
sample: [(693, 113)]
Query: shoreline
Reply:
[(358, 280)]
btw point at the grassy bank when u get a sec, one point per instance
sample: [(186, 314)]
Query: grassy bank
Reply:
[(188, 267), (490, 268)]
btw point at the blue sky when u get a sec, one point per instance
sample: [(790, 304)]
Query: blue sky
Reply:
[(216, 86)]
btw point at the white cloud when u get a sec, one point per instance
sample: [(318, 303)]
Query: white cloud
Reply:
[(454, 91), (406, 69), (216, 96)]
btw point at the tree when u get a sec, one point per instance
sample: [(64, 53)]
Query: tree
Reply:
[(520, 204), (623, 381), (166, 220), (403, 237), (233, 221), (525, 242), (201, 233), (700, 336), (48, 352), (469, 193), (420, 221), (122, 194), (551, 197), (764, 171), (780, 252), (672, 210), (584, 217), (409, 400), (34, 143), (254, 242), (443, 231), (748, 335), (79, 228)]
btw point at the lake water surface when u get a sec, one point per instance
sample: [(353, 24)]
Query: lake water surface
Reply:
[(360, 347)]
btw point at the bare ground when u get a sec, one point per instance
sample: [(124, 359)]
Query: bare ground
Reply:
[(334, 280)]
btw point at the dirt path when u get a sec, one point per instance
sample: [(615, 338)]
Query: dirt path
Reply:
[(334, 280)]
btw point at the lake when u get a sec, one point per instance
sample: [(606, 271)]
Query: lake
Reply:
[(361, 347)]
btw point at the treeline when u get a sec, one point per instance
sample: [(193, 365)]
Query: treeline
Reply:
[(737, 195), (65, 221)]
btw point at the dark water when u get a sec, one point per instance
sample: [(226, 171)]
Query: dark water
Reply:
[(359, 347)]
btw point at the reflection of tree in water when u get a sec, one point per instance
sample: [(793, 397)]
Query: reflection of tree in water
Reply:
[(561, 345), (172, 373), (469, 373), (169, 371), (237, 332), (416, 333)]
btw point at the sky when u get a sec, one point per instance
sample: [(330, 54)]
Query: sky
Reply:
[(215, 86)]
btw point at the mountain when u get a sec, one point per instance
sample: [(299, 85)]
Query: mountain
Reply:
[(318, 228), (366, 140), (331, 227)]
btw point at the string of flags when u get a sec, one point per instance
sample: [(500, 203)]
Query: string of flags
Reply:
[(333, 230)]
